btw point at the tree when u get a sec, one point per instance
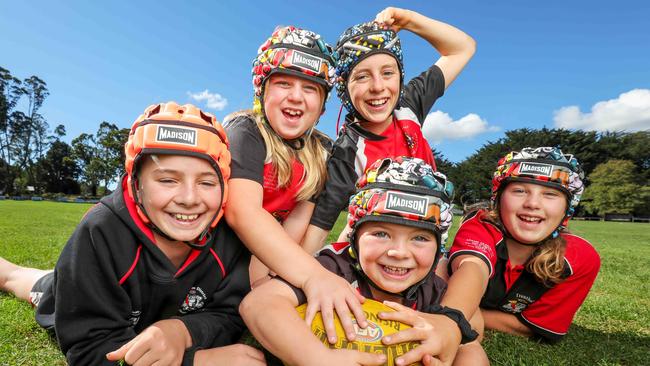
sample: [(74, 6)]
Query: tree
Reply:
[(615, 189), (59, 170), (10, 93)]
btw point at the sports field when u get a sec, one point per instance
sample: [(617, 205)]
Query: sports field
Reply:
[(612, 327)]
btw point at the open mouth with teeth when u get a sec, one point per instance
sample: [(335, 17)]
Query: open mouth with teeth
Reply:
[(393, 271), (377, 103), (530, 219), (292, 113), (185, 218)]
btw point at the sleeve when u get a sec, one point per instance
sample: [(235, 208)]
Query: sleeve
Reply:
[(339, 186), (247, 149), (423, 90), (475, 238), (92, 310), (220, 324), (551, 315)]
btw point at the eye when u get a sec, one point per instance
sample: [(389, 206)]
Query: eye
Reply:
[(311, 88), (388, 73), (166, 180), (380, 234), (360, 77), (552, 194), (209, 183)]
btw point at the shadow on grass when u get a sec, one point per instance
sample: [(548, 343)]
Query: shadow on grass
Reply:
[(582, 346)]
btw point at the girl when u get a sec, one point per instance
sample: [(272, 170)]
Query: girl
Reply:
[(278, 165), (385, 116), (151, 275), (398, 216), (537, 274)]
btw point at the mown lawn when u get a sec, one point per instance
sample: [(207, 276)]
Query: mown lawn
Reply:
[(612, 328)]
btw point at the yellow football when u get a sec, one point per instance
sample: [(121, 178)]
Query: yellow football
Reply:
[(368, 339)]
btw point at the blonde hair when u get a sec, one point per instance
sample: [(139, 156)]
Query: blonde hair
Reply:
[(313, 155), (547, 261)]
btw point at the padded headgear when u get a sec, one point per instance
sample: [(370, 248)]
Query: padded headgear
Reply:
[(171, 129)]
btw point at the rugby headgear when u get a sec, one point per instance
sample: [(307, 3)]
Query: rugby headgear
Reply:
[(171, 129), (546, 166), (403, 191), (357, 43), (292, 51)]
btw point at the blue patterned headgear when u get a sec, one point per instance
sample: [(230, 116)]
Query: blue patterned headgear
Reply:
[(357, 43)]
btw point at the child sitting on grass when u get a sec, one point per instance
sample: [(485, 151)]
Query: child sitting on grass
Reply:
[(397, 218), (151, 275)]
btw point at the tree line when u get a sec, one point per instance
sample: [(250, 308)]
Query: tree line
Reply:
[(35, 160)]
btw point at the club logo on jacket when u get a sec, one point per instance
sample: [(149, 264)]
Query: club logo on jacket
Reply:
[(194, 300), (135, 317)]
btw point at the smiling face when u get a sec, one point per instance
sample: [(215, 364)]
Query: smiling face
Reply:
[(181, 194), (292, 104), (531, 212), (374, 86), (393, 256)]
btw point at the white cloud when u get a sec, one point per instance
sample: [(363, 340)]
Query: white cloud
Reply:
[(212, 100), (629, 112), (439, 126)]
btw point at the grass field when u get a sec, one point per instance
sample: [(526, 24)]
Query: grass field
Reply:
[(612, 327)]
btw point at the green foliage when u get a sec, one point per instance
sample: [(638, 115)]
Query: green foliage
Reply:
[(616, 188)]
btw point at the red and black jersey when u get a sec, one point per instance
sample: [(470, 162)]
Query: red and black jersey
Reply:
[(248, 153), (353, 153), (546, 310), (336, 259), (111, 282)]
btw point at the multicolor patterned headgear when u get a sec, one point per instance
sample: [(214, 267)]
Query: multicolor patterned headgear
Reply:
[(357, 43), (547, 166), (292, 51), (172, 129), (403, 191)]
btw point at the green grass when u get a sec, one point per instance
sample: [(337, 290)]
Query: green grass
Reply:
[(611, 328)]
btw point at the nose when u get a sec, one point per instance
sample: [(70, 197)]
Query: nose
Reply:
[(532, 200), (187, 195), (398, 249), (376, 84), (295, 93)]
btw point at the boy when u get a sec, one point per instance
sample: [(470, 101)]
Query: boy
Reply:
[(397, 218), (150, 275)]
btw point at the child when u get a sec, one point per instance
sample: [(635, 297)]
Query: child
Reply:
[(278, 165), (398, 215), (385, 116), (151, 275), (537, 274)]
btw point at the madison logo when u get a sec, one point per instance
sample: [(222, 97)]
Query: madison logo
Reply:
[(536, 169), (176, 135), (407, 203), (306, 61)]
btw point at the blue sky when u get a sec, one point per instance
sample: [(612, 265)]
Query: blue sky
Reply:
[(574, 64)]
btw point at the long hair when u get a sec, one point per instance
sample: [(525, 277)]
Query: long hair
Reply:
[(313, 155), (547, 261)]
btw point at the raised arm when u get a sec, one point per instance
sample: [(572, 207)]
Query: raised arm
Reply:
[(456, 48)]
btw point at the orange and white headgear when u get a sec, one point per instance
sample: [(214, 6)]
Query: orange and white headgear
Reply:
[(172, 129)]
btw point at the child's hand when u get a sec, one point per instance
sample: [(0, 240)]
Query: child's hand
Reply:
[(162, 343), (431, 339), (233, 355), (327, 292), (395, 18)]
